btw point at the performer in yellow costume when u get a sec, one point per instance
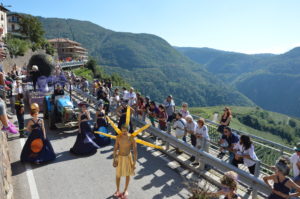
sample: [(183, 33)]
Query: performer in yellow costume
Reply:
[(123, 161)]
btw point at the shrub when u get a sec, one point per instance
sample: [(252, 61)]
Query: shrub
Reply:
[(44, 62), (17, 47)]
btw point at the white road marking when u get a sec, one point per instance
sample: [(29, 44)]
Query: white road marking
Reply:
[(31, 181)]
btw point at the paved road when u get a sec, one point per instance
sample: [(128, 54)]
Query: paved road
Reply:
[(93, 177)]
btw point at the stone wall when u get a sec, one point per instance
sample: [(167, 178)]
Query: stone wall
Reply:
[(6, 187), (20, 61)]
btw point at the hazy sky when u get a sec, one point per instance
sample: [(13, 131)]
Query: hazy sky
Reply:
[(249, 26)]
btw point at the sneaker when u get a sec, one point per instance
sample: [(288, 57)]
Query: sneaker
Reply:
[(12, 125), (10, 129)]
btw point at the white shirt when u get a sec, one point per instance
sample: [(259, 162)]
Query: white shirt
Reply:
[(131, 98), (191, 126), (179, 126), (184, 113), (294, 160), (250, 152), (125, 92), (201, 131)]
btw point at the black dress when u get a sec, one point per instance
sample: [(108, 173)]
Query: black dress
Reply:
[(101, 126), (280, 186), (85, 141), (45, 154)]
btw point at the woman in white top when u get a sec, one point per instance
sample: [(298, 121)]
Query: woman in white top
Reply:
[(190, 129), (245, 154), (184, 110), (202, 135), (179, 126)]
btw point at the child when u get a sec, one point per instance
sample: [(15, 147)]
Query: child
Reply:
[(19, 107)]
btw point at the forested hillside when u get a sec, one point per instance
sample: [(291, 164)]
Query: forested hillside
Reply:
[(271, 81), (148, 63)]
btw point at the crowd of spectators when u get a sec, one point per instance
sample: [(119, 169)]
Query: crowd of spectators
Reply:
[(241, 150)]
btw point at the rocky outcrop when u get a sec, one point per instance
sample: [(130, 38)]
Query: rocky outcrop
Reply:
[(6, 187)]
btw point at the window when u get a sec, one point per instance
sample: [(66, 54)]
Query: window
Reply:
[(13, 27), (2, 18)]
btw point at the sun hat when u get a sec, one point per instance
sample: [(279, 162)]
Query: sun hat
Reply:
[(35, 68)]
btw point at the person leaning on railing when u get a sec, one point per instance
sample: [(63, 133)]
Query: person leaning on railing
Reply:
[(179, 126), (295, 161), (152, 112), (190, 128), (202, 135), (162, 117), (202, 142), (227, 143), (245, 154), (282, 183)]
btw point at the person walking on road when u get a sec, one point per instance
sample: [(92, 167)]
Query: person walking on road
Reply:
[(123, 161)]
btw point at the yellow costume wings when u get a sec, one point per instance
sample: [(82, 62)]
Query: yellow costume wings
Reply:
[(134, 134)]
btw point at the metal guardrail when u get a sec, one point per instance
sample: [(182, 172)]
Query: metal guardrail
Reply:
[(71, 64), (267, 151), (251, 181)]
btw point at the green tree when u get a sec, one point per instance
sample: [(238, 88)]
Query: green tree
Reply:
[(91, 64), (32, 28), (16, 47)]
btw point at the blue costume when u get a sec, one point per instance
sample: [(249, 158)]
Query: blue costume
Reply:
[(101, 126), (85, 141)]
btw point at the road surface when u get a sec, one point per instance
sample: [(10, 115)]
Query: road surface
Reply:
[(93, 177)]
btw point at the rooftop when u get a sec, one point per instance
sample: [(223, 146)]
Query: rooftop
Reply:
[(63, 40)]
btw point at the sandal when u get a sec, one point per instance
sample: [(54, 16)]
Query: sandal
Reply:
[(124, 195), (118, 194)]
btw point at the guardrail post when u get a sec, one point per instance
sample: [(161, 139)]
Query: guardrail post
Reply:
[(256, 174), (169, 132), (202, 148), (257, 169), (254, 191)]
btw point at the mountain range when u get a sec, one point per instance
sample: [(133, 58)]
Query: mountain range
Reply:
[(271, 81), (148, 63), (199, 76)]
